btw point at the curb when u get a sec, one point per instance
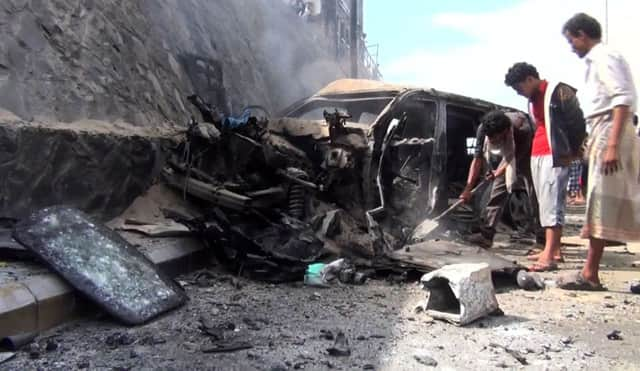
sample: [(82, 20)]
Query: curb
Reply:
[(45, 301)]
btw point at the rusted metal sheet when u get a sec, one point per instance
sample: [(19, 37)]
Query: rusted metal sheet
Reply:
[(435, 254)]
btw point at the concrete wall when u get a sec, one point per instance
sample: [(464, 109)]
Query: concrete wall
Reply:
[(118, 71), (135, 61)]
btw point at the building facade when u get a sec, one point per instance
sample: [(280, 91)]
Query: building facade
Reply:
[(341, 23)]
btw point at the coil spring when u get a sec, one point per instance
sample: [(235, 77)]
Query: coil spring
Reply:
[(297, 198)]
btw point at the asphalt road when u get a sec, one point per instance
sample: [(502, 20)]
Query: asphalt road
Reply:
[(290, 326)]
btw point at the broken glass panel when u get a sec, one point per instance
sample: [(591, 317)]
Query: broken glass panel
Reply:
[(99, 263)]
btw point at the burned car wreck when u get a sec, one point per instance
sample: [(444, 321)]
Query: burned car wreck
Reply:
[(349, 171), (330, 190)]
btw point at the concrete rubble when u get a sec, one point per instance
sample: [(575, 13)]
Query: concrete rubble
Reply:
[(460, 293)]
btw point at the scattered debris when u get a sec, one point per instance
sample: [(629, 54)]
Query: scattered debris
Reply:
[(425, 359), (278, 367), (568, 340), (10, 249), (251, 324), (227, 346), (152, 340), (340, 346), (167, 228), (216, 330), (34, 350), (17, 341), (327, 335), (51, 346), (435, 254), (551, 348), (83, 364), (5, 356), (313, 275), (322, 275), (460, 293), (224, 336), (118, 339), (530, 281), (614, 335), (514, 353)]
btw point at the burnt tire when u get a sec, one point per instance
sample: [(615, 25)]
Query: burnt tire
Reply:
[(518, 212)]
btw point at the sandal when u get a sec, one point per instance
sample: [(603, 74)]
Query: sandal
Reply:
[(575, 281), (543, 267)]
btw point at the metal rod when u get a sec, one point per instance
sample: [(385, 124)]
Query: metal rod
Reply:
[(606, 21), (354, 38)]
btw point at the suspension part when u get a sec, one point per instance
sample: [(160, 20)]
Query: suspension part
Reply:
[(297, 200)]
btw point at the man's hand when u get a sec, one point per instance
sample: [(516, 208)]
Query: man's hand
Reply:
[(610, 161), (465, 195), (491, 175)]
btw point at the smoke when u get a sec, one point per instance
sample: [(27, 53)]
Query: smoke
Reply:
[(266, 54)]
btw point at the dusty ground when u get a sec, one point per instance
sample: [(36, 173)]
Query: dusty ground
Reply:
[(288, 328)]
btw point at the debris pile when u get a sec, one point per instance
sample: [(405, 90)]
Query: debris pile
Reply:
[(280, 194), (329, 200), (283, 193)]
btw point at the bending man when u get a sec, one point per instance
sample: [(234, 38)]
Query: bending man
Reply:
[(510, 134)]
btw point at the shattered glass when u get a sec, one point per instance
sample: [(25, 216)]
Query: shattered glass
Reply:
[(99, 263)]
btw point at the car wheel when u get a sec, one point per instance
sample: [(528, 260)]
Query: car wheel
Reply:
[(519, 212)]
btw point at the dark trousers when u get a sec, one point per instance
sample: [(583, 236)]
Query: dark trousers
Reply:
[(498, 200)]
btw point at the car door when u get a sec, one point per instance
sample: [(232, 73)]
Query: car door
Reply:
[(404, 165)]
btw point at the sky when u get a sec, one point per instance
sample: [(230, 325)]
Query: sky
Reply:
[(466, 47)]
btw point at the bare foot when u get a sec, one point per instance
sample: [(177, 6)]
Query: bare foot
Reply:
[(590, 277), (536, 257), (541, 266)]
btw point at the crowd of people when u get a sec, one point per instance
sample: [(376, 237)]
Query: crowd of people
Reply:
[(551, 147)]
